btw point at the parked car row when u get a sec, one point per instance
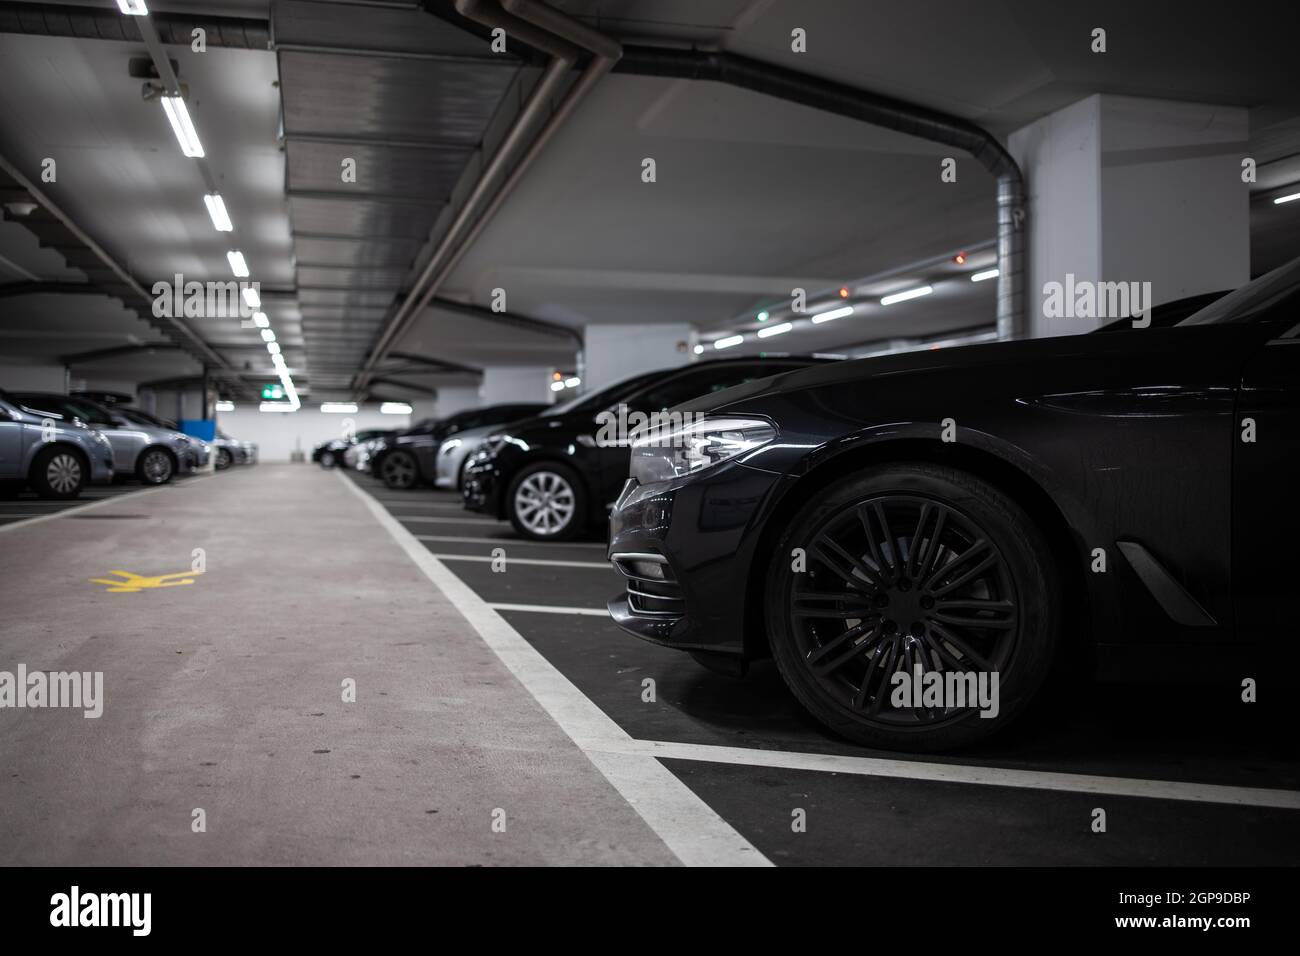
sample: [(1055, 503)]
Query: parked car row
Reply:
[(57, 444)]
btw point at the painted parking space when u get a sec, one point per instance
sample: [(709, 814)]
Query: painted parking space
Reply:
[(1132, 741)]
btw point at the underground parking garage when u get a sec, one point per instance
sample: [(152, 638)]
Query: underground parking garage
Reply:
[(620, 433)]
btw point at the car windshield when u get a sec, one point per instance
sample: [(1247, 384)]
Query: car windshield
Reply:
[(64, 407), (606, 396), (1251, 299)]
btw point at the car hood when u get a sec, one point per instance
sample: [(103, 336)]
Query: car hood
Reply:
[(938, 362)]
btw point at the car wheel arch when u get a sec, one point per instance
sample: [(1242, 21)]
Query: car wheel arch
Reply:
[(542, 458), (80, 454), (984, 464)]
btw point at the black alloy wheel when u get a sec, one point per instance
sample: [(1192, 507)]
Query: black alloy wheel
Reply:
[(398, 470), (907, 568)]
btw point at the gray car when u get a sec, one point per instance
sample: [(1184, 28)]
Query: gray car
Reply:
[(55, 455), (455, 451), (193, 453), (231, 451), (144, 451)]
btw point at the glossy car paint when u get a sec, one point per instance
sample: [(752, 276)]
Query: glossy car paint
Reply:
[(571, 437), (424, 440), (25, 433), (1130, 437), (130, 439)]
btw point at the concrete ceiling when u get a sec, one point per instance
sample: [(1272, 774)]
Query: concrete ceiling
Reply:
[(754, 196)]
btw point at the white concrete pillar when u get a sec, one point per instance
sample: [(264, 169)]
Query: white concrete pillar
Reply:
[(613, 352), (34, 378), (455, 398), (1124, 189), (515, 383)]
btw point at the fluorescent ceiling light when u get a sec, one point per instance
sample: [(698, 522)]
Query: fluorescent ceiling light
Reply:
[(237, 264), (278, 361), (133, 8), (775, 330), (572, 382), (277, 407), (557, 386), (833, 314), (338, 408), (185, 132), (225, 406), (904, 296), (1281, 199), (273, 348), (260, 320), (252, 297), (268, 335), (728, 342), (217, 210), (699, 350), (986, 274), (395, 408)]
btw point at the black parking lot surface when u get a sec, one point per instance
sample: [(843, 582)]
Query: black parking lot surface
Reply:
[(1137, 733)]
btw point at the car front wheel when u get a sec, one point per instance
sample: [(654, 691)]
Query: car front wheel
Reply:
[(327, 459), (399, 471), (224, 459), (913, 607), (155, 467), (58, 473), (547, 502)]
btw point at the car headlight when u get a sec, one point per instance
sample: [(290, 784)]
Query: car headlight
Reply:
[(491, 445), (674, 450), (450, 446)]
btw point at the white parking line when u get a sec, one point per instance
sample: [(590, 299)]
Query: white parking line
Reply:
[(552, 609), (689, 827), (542, 562), (962, 773), (510, 541)]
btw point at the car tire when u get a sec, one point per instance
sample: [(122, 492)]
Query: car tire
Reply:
[(327, 459), (399, 471), (155, 466), (224, 459), (460, 476), (59, 473), (547, 501), (980, 593)]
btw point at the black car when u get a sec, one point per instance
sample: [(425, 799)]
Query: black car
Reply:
[(554, 475), (1113, 502), (410, 457), (330, 453)]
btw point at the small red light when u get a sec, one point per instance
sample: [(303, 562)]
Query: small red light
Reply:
[(960, 258), (844, 293)]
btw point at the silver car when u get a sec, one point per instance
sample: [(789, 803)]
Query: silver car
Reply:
[(454, 452), (147, 452), (56, 455), (230, 451), (194, 453)]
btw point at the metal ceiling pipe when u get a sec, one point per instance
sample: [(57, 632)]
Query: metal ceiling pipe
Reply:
[(533, 16), (564, 56), (909, 118)]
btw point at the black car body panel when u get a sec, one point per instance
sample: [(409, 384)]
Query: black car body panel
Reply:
[(570, 437), (1108, 440), (422, 440)]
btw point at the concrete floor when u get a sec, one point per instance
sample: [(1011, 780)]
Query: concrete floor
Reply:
[(225, 695)]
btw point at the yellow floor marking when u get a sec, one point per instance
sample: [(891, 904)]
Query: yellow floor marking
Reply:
[(131, 583)]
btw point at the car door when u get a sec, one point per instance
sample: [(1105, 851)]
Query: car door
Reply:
[(11, 445), (1266, 521)]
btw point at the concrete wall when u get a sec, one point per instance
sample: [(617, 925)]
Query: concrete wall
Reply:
[(277, 434), (34, 378)]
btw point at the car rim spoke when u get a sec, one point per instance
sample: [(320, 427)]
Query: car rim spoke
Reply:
[(875, 600)]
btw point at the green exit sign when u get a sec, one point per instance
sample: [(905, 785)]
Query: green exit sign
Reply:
[(272, 393)]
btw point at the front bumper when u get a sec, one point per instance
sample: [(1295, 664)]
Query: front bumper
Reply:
[(483, 484), (686, 549), (101, 466)]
